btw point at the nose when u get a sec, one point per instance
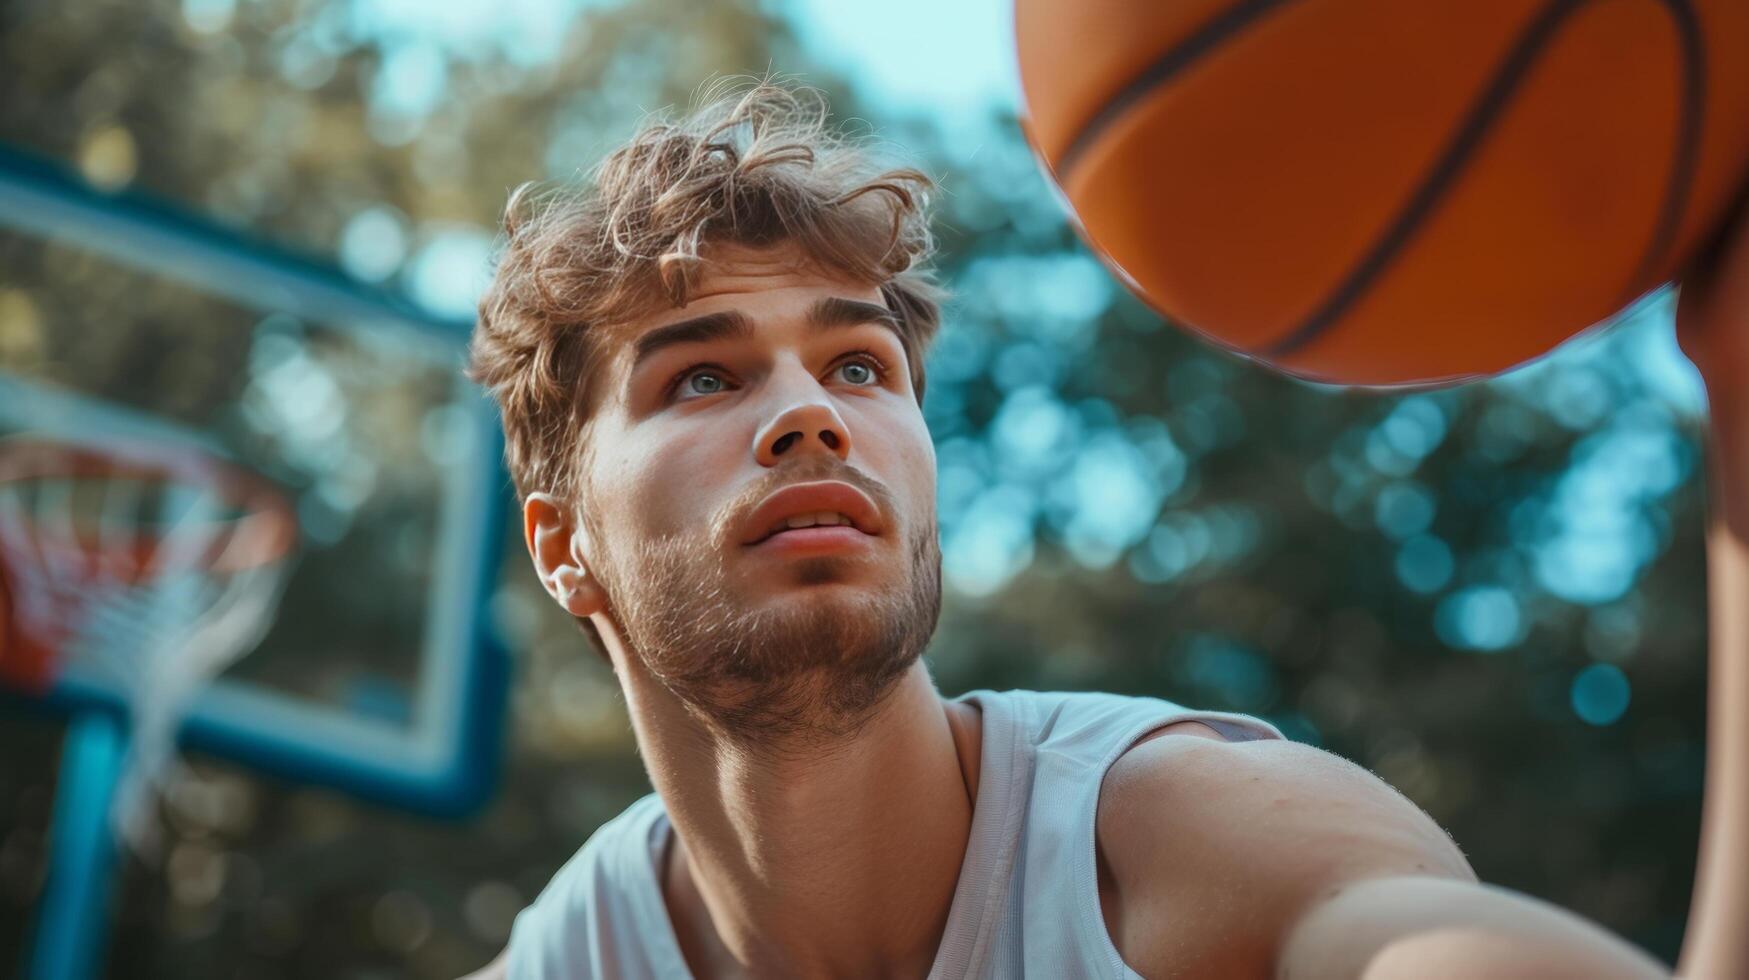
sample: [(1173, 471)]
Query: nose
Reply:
[(806, 424)]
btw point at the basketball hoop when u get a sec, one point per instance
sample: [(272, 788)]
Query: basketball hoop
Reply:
[(150, 568)]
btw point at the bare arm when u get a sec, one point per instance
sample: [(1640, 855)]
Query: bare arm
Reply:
[(1278, 859), (1713, 326), (1420, 928), (1717, 945)]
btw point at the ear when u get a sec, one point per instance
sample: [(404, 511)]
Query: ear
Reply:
[(555, 543)]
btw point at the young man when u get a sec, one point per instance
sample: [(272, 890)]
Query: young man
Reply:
[(710, 370)]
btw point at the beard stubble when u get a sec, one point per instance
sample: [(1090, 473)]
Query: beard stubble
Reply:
[(796, 671)]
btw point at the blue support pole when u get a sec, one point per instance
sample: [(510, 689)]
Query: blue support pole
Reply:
[(72, 931)]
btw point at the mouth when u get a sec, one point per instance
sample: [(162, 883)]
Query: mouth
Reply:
[(823, 512), (819, 539), (815, 525)]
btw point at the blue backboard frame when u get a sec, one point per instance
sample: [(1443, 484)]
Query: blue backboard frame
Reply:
[(449, 765)]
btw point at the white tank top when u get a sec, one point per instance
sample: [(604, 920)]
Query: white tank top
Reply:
[(1027, 901)]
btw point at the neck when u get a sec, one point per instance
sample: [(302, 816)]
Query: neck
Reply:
[(823, 859)]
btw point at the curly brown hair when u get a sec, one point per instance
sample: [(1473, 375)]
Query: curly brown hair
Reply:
[(754, 167)]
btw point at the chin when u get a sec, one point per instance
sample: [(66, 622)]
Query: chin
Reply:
[(813, 574)]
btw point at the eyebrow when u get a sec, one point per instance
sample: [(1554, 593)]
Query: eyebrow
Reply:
[(827, 314)]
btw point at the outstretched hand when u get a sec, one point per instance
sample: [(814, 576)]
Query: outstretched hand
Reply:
[(1712, 311)]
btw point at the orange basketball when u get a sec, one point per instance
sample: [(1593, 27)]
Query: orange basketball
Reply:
[(1390, 191)]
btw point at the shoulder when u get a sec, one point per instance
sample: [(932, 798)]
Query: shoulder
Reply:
[(1214, 848), (498, 969), (616, 850), (556, 932)]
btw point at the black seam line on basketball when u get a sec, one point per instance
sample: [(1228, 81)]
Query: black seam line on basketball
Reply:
[(1687, 158), (1204, 39), (1469, 138)]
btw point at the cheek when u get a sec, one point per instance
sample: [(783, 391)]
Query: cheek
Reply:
[(920, 458), (923, 468), (674, 480), (902, 454)]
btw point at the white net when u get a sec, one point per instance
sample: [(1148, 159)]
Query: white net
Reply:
[(147, 578)]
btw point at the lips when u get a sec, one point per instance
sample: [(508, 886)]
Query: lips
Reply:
[(802, 499)]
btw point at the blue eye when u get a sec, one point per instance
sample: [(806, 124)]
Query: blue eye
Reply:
[(863, 369), (869, 368), (716, 383), (697, 380)]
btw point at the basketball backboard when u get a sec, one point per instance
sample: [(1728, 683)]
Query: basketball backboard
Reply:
[(121, 319)]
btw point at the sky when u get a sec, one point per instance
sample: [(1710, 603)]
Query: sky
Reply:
[(917, 55)]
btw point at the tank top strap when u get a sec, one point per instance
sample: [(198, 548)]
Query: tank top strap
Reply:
[(1045, 767)]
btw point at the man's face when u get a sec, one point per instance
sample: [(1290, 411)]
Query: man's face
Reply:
[(777, 394)]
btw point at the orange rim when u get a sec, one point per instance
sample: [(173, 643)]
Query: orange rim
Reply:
[(266, 529)]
